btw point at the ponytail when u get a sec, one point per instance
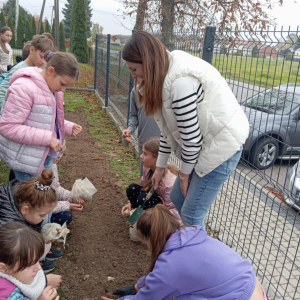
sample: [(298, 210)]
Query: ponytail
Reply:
[(63, 63), (157, 225), (36, 192)]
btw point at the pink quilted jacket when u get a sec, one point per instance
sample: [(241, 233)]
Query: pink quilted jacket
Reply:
[(27, 121), (163, 192)]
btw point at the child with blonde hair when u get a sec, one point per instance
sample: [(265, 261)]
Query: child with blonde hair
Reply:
[(32, 124), (30, 202)]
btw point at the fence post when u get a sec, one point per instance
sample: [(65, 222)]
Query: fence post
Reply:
[(131, 82), (107, 70), (208, 45), (119, 70), (96, 63)]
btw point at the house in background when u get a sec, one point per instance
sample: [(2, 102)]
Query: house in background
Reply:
[(297, 53), (267, 51)]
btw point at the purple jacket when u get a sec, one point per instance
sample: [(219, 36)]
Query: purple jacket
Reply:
[(196, 266)]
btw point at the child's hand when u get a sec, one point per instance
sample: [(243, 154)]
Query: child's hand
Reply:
[(55, 145), (53, 280), (81, 200), (76, 130), (76, 207), (104, 298), (127, 206), (49, 293), (126, 133)]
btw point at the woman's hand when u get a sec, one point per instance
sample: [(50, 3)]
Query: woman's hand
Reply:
[(55, 145), (76, 130), (76, 207), (157, 176), (53, 280), (103, 298), (49, 293), (127, 206), (184, 183), (126, 133)]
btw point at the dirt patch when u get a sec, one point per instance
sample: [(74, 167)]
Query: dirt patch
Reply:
[(99, 244)]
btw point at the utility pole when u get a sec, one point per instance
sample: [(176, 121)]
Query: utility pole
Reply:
[(56, 13), (17, 18), (41, 17)]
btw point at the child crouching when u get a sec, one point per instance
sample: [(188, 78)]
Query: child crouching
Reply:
[(21, 276)]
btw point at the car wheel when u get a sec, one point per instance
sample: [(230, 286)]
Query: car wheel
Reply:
[(264, 153)]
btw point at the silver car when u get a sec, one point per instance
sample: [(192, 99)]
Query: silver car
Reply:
[(274, 117), (292, 187)]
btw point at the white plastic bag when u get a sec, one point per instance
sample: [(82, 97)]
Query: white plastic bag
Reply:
[(84, 189), (54, 231)]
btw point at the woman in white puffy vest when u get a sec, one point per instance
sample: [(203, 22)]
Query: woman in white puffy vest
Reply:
[(199, 118)]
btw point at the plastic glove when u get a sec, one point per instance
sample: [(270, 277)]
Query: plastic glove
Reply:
[(125, 290)]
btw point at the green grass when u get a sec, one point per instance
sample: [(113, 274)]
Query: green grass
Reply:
[(123, 161), (257, 71), (4, 173)]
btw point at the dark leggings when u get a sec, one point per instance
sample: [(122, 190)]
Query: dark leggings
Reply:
[(137, 197), (62, 217)]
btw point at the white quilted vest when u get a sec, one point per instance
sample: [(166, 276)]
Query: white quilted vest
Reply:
[(223, 124)]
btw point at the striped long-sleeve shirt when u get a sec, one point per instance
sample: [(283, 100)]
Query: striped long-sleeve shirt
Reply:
[(186, 93)]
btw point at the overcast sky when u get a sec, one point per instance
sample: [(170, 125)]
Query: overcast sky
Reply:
[(108, 13)]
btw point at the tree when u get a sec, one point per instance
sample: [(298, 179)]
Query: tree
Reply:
[(96, 29), (9, 8), (27, 30), (33, 27), (42, 30), (47, 26), (255, 51), (170, 15), (62, 39), (53, 28), (10, 24), (67, 11), (78, 31), (20, 32), (2, 18)]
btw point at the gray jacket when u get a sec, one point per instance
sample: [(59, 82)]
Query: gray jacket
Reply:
[(147, 127)]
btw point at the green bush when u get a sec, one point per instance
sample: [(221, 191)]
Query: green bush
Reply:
[(62, 39), (78, 39)]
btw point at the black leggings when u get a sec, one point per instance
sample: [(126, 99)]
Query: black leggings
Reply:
[(137, 197)]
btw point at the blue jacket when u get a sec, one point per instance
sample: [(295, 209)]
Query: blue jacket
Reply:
[(196, 266)]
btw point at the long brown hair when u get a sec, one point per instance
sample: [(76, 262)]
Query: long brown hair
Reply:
[(152, 146), (26, 193), (144, 48), (20, 245), (63, 63), (2, 31), (157, 224)]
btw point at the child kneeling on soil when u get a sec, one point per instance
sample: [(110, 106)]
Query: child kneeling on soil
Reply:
[(21, 276), (136, 193), (65, 203), (186, 263), (30, 202)]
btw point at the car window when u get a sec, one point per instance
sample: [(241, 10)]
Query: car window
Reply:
[(274, 101)]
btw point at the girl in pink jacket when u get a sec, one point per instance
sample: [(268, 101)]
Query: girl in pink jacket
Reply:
[(136, 193), (32, 124)]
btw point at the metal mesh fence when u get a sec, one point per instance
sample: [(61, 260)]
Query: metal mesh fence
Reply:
[(256, 212)]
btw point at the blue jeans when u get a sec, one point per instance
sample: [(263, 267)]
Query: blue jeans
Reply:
[(202, 192), (22, 176)]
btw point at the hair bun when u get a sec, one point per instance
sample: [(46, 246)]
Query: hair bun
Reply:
[(46, 177)]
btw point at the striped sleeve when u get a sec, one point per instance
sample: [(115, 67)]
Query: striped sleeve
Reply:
[(163, 153), (186, 93)]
